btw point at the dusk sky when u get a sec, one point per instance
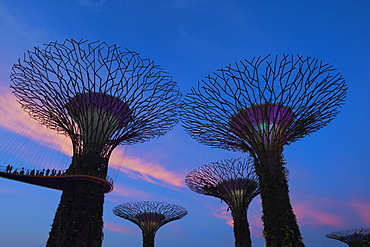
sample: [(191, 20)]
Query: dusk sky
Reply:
[(329, 170)]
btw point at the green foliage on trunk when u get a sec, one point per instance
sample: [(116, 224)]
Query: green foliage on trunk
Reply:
[(78, 221), (280, 224), (148, 239), (241, 228)]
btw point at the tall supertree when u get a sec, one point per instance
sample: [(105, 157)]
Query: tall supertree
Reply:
[(149, 216), (100, 97), (259, 106), (235, 183), (357, 237)]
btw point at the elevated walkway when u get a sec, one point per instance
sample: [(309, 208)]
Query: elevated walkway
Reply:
[(55, 179)]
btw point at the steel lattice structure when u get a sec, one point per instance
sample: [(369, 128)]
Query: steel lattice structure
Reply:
[(356, 237), (100, 97), (149, 216), (259, 106), (234, 182)]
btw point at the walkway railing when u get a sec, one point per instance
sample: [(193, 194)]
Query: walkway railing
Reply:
[(54, 172)]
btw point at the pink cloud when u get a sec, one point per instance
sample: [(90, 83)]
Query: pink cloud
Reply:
[(118, 228), (124, 191), (6, 191), (310, 214), (363, 209), (255, 222), (224, 214), (14, 119), (149, 171)]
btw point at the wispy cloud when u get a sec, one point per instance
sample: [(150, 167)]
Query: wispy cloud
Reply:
[(362, 209), (128, 192), (255, 222), (223, 213), (152, 172), (6, 191), (121, 229), (14, 119), (310, 214)]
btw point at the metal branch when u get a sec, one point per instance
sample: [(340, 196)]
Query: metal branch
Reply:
[(49, 77), (233, 181), (149, 216), (312, 90), (358, 235)]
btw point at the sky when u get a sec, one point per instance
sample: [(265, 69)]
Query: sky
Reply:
[(329, 170)]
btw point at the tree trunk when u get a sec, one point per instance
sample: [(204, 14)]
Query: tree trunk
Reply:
[(148, 239), (280, 224), (78, 221), (241, 228)]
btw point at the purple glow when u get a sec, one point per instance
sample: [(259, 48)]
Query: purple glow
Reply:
[(150, 217), (92, 102), (266, 120), (237, 184)]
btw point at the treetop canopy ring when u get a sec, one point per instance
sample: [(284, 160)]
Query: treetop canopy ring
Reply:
[(288, 94), (54, 82)]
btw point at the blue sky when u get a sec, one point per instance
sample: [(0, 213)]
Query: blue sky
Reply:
[(190, 39)]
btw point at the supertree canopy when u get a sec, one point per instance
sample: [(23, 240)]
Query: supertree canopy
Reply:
[(259, 106), (234, 182), (149, 216), (100, 97), (356, 237)]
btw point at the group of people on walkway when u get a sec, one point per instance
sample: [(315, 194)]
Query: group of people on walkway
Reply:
[(33, 172)]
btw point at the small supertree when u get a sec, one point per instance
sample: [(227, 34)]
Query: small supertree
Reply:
[(357, 237), (149, 216), (100, 97), (235, 183), (259, 106)]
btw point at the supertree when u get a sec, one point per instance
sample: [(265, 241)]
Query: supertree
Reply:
[(100, 97), (235, 183), (259, 106), (149, 216), (357, 237)]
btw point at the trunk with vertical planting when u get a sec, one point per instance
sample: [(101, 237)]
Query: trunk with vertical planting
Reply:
[(280, 224), (241, 228), (78, 221), (148, 239)]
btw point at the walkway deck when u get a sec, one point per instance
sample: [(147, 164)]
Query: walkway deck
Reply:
[(54, 179)]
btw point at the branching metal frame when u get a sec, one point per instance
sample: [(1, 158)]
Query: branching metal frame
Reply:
[(130, 211), (48, 77), (100, 97), (312, 89), (351, 235), (231, 180), (259, 106), (149, 216), (234, 182)]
